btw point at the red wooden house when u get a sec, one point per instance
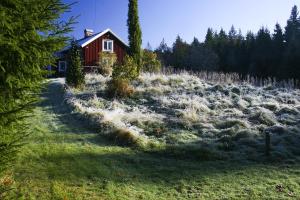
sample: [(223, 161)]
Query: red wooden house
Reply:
[(91, 45)]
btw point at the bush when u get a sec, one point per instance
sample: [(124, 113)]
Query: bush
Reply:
[(106, 63), (127, 70), (119, 88), (150, 63), (74, 75), (122, 74)]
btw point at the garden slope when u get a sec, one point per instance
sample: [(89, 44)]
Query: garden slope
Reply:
[(181, 110)]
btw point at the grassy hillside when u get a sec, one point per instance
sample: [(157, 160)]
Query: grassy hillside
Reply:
[(181, 112), (65, 159)]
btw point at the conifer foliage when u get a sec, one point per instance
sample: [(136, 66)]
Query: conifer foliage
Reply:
[(262, 54), (29, 35), (134, 32), (74, 75)]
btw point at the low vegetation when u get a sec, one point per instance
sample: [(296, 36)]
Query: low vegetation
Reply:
[(106, 63), (178, 113), (66, 159), (150, 63)]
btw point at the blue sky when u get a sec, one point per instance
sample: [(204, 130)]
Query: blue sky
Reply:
[(187, 18)]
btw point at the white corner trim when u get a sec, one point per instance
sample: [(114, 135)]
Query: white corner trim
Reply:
[(99, 35)]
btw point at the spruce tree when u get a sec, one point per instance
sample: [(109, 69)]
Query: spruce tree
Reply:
[(164, 53), (163, 47), (209, 38), (293, 26), (74, 75), (278, 49), (232, 34), (262, 56), (134, 32), (292, 50), (221, 49), (30, 34), (180, 53)]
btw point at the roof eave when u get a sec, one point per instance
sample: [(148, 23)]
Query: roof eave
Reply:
[(101, 34)]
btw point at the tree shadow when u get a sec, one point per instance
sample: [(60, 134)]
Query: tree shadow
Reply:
[(139, 167), (53, 101)]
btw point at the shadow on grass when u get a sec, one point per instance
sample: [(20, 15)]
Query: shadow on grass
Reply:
[(138, 167), (71, 122)]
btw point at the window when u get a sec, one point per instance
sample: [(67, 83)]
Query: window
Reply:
[(108, 45), (62, 66)]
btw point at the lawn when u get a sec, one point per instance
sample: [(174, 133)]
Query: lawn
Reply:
[(65, 158)]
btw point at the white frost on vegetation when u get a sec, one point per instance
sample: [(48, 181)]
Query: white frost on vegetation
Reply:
[(168, 104)]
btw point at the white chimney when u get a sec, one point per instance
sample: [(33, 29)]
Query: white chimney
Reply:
[(88, 32)]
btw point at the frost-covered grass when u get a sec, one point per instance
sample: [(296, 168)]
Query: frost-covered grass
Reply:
[(64, 159), (185, 112)]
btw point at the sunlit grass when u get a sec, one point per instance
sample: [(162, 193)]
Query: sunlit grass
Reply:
[(65, 159)]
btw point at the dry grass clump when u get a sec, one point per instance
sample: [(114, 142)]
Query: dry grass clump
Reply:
[(124, 137), (119, 88), (229, 123), (6, 184)]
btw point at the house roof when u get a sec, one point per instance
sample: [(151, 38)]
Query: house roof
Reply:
[(85, 41)]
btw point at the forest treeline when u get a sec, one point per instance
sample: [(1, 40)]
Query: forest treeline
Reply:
[(262, 54)]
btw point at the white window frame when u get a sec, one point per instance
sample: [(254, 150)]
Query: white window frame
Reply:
[(112, 45), (59, 66)]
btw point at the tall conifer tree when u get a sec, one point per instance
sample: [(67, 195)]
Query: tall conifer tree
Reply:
[(292, 50), (134, 32), (209, 38), (30, 34)]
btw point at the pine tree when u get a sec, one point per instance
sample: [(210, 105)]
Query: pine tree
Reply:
[(293, 26), (180, 53), (278, 49), (221, 49), (164, 53), (201, 57), (149, 47), (278, 36), (74, 75), (232, 34), (163, 47), (134, 32), (292, 50), (209, 38), (30, 34), (262, 56)]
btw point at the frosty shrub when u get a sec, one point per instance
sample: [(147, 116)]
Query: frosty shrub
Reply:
[(127, 70), (106, 63), (122, 74), (150, 63)]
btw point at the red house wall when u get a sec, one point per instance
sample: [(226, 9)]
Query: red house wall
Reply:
[(92, 50)]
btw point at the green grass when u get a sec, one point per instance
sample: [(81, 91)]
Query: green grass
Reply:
[(64, 159)]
